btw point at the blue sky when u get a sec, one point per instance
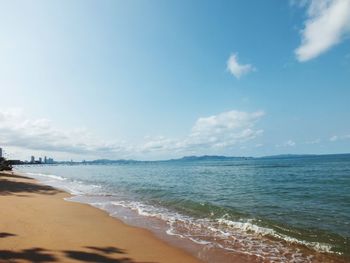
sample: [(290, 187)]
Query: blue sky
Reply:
[(162, 79)]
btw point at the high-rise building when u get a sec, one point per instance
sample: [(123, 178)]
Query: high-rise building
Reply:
[(40, 160), (0, 152), (32, 159), (45, 159)]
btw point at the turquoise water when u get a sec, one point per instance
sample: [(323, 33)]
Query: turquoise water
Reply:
[(260, 207)]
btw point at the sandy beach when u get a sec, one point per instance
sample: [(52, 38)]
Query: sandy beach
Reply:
[(38, 225)]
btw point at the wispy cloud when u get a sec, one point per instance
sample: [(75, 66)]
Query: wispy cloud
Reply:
[(215, 132), (328, 22), (289, 143), (334, 138), (339, 137), (237, 69), (315, 141)]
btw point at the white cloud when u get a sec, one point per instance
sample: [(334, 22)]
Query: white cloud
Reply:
[(213, 133), (225, 129), (340, 137), (236, 69), (17, 130), (333, 138), (315, 141), (289, 143), (327, 24)]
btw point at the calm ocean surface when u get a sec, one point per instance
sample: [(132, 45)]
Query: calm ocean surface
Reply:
[(277, 210)]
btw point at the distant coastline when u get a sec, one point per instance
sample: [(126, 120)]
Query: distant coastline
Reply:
[(192, 158)]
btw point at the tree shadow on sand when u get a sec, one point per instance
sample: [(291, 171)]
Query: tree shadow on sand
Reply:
[(40, 255), (13, 175), (108, 250), (94, 257), (11, 187), (5, 234)]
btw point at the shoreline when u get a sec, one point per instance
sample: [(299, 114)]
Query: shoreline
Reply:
[(181, 250), (38, 225)]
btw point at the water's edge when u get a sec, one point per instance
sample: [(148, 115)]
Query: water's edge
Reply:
[(169, 227)]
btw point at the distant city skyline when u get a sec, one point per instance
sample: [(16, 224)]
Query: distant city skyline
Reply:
[(151, 80), (38, 160)]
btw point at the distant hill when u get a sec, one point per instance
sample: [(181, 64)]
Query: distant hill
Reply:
[(210, 158), (107, 161), (287, 156), (214, 158), (185, 158), (282, 156)]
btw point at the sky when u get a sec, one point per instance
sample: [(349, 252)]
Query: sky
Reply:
[(158, 79)]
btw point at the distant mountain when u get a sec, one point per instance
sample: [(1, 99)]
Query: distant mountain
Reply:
[(107, 161), (287, 156), (210, 158), (282, 156), (185, 158)]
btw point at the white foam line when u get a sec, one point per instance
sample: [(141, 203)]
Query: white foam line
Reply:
[(246, 228)]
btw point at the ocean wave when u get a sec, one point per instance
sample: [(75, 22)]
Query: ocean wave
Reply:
[(250, 227), (241, 237), (51, 176), (74, 187)]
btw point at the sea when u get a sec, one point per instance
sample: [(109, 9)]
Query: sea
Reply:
[(276, 209)]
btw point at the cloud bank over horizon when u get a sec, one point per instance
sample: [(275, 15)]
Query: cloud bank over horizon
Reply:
[(17, 130), (216, 132), (327, 24)]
